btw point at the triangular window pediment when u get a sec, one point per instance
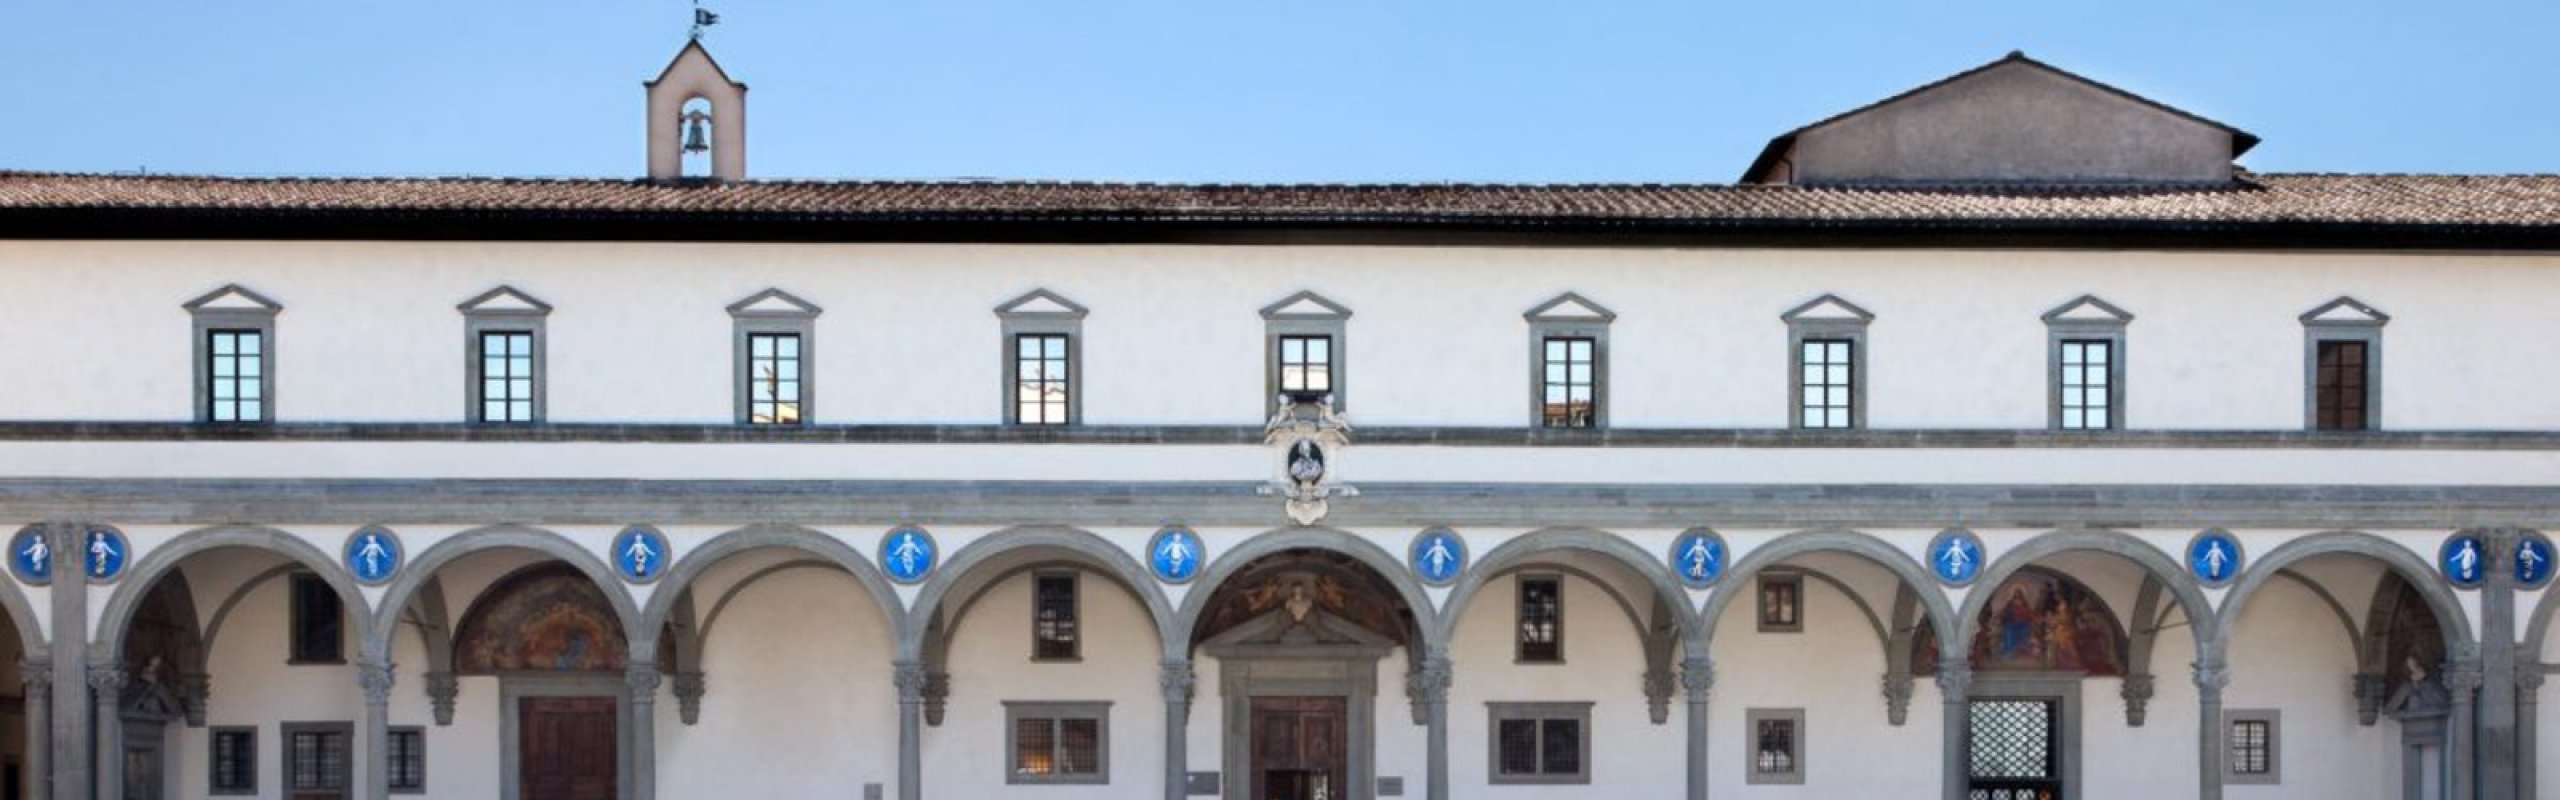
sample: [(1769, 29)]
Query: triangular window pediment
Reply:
[(2346, 310), (2088, 308), (1828, 307), (1041, 303), (1571, 307), (1305, 305), (233, 297), (505, 299), (772, 302)]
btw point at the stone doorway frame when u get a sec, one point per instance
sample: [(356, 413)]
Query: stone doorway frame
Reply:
[(2063, 688), (513, 687), (1343, 664)]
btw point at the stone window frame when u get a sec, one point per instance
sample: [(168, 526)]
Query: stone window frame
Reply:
[(1075, 592), (420, 732), (478, 319), (2059, 329), (206, 320), (2274, 720), (1098, 710), (1498, 711), (1751, 719), (1278, 321), (1014, 321), (745, 320), (1519, 598), (296, 616), (2367, 330), (1800, 328), (1760, 601), (1545, 323), (284, 768), (248, 759)]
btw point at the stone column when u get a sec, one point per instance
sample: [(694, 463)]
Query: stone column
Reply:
[(2529, 717), (2498, 757), (1176, 680), (37, 673), (2211, 676), (642, 678), (1430, 687), (2462, 767), (70, 640), (1697, 681), (106, 687), (1955, 688), (910, 679), (375, 677)]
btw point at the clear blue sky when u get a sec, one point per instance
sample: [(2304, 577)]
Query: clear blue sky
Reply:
[(1225, 90)]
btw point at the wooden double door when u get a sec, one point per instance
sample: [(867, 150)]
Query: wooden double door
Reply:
[(566, 748), (1298, 748)]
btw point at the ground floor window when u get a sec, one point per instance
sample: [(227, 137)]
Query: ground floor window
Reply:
[(317, 757), (2250, 746), (1058, 742), (235, 761), (1776, 739), (1541, 742), (408, 760)]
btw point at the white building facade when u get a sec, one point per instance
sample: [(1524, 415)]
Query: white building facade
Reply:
[(2001, 439)]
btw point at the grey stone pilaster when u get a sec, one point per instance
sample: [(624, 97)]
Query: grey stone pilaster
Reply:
[(2497, 754), (106, 689), (195, 689), (1697, 682), (70, 632), (442, 689), (1897, 697), (2462, 762), (689, 688), (1658, 684), (2528, 713), (1955, 687), (37, 674), (2211, 676), (910, 679), (1430, 687), (937, 695), (376, 678), (2137, 692), (641, 678), (2371, 688), (1176, 681)]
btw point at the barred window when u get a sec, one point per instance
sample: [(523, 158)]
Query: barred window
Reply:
[(1541, 617), (2253, 749), (1541, 742), (1306, 364), (506, 376), (1775, 738), (2088, 399), (1040, 379), (1571, 385), (316, 756), (234, 761), (408, 760), (235, 362), (1054, 635), (1829, 390), (1058, 742), (773, 379)]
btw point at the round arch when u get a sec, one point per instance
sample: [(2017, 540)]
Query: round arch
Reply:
[(136, 584), (680, 578), (22, 616), (2399, 560), (1933, 603), (2203, 625), (1186, 622), (1082, 547), (377, 643), (1528, 547)]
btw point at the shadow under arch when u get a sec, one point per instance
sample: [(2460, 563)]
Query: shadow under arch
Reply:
[(2411, 568), (22, 616), (679, 578), (117, 619), (2152, 560), (1734, 583), (404, 587), (1186, 622), (1082, 547), (1527, 548)]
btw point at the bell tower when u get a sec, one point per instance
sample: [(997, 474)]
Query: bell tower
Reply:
[(697, 115)]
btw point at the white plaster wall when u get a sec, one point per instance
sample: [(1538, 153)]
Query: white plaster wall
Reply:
[(1833, 670), (2120, 762), (1604, 664), (990, 662), (369, 331), (2284, 656), (798, 700), (252, 684)]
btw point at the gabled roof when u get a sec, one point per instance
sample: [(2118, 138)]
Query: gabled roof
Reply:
[(693, 46), (1777, 148)]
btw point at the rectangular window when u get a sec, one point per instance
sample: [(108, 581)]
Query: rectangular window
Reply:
[(2252, 744), (1775, 737), (1781, 603), (1541, 742), (1306, 365), (506, 376), (408, 760), (1828, 388), (316, 757), (2339, 396), (235, 367), (2088, 399), (318, 628), (1541, 617), (235, 761), (773, 378), (1040, 378), (1569, 385), (1054, 635), (1058, 742)]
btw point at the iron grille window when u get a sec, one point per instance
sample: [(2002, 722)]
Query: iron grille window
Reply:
[(1541, 747), (408, 760), (235, 369), (235, 761), (1059, 742), (1774, 747), (2088, 402), (1569, 387), (1040, 378), (316, 759), (2012, 749), (1306, 364), (1828, 385), (2250, 747), (773, 378), (317, 621), (2339, 397), (1541, 618), (506, 376), (1054, 624)]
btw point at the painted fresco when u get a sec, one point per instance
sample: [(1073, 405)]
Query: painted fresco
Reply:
[(2411, 636), (542, 619), (1338, 584), (2038, 622)]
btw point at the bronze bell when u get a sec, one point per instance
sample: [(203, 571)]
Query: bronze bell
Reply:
[(697, 133)]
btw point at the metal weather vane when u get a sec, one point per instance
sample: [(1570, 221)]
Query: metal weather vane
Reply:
[(702, 18)]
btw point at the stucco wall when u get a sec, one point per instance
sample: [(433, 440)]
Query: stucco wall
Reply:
[(1834, 671), (798, 700), (1603, 665), (2286, 656), (991, 663)]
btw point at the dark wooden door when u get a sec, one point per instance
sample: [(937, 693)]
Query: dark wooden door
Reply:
[(1298, 747), (565, 748)]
